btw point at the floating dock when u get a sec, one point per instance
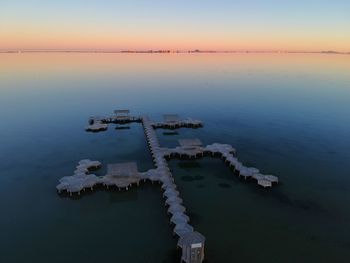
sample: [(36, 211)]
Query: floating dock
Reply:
[(124, 175)]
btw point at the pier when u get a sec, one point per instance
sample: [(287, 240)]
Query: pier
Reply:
[(125, 175)]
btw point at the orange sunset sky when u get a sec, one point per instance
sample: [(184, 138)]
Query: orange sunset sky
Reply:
[(177, 25)]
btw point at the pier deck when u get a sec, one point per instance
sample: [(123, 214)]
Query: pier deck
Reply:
[(124, 175)]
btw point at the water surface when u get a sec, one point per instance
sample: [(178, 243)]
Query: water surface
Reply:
[(285, 114)]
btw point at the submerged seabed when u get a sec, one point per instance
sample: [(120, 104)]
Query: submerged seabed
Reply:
[(286, 114)]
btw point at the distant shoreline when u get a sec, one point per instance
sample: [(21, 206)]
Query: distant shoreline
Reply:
[(172, 51)]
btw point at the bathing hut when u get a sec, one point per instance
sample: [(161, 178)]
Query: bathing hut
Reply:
[(192, 245), (190, 143), (190, 148), (128, 169), (122, 115), (171, 118), (121, 175)]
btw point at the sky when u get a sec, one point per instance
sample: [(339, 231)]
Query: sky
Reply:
[(299, 25)]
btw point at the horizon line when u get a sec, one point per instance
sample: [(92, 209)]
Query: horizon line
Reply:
[(166, 51)]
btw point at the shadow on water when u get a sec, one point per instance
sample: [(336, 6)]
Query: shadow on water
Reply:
[(282, 198), (122, 127), (170, 133), (276, 193), (115, 195), (188, 164)]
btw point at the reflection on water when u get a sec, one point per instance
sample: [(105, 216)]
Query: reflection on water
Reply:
[(170, 133), (285, 114)]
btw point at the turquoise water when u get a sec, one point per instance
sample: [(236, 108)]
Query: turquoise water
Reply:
[(285, 114)]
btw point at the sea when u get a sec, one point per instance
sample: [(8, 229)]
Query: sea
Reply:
[(286, 114)]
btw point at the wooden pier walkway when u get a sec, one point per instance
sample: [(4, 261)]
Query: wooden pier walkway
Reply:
[(124, 175)]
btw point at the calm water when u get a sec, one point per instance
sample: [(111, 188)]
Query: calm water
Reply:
[(286, 114)]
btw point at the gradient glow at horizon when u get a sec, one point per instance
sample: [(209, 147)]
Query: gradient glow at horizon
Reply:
[(154, 24)]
